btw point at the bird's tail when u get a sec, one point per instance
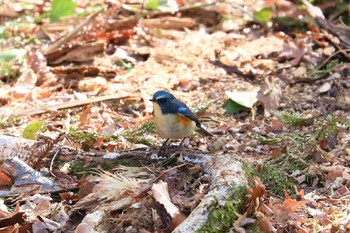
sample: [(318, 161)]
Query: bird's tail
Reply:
[(203, 131)]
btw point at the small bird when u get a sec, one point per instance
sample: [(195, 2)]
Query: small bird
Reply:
[(173, 119)]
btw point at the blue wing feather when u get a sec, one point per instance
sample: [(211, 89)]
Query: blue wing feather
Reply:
[(184, 111)]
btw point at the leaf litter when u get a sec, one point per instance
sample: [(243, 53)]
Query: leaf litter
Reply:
[(81, 91)]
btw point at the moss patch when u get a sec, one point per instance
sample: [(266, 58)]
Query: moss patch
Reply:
[(88, 140), (137, 135), (294, 119), (221, 218), (80, 169), (271, 175)]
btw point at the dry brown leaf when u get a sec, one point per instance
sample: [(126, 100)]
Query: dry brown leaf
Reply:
[(241, 222), (293, 50), (17, 218), (38, 64), (276, 152), (84, 119), (99, 142), (266, 226), (4, 214), (86, 187), (270, 94), (96, 84), (111, 146), (161, 195), (4, 179), (276, 125), (287, 210), (291, 205), (255, 196)]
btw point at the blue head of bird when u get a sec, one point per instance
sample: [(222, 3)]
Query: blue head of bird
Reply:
[(165, 101)]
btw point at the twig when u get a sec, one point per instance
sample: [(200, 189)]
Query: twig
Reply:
[(76, 103), (328, 58), (152, 13), (53, 159), (340, 104), (70, 35)]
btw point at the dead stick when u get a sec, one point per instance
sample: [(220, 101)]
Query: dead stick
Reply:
[(71, 34), (76, 103)]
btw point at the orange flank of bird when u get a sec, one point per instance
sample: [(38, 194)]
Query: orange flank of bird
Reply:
[(184, 120)]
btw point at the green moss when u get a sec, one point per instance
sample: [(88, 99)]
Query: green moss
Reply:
[(221, 218), (80, 169), (294, 119), (10, 122), (272, 140), (137, 135), (88, 139), (345, 124), (323, 70), (6, 70), (254, 228), (249, 170), (274, 173), (276, 179), (328, 128), (290, 25)]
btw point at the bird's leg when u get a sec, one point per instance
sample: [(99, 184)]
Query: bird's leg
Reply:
[(164, 143), (182, 141)]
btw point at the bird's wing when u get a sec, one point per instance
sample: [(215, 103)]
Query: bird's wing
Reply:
[(185, 112)]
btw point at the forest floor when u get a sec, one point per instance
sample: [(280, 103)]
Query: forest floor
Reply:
[(268, 80)]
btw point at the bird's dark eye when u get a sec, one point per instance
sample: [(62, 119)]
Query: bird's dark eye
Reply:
[(162, 100)]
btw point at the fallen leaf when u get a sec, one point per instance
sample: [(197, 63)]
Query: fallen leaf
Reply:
[(266, 226), (241, 222), (99, 142), (232, 107), (30, 131), (264, 15), (287, 210), (92, 84), (291, 205), (241, 99), (4, 179), (161, 195), (17, 218), (270, 95), (84, 116), (255, 196), (325, 87), (276, 152), (300, 71), (276, 125)]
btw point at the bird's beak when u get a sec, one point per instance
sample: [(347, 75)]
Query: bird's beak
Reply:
[(152, 100)]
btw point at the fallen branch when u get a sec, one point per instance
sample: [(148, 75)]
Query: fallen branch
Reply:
[(73, 104), (342, 32), (339, 104), (70, 35)]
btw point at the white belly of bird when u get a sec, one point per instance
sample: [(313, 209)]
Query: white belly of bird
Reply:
[(168, 126)]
